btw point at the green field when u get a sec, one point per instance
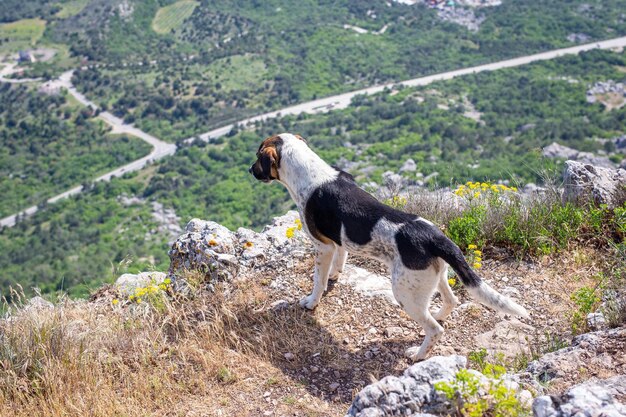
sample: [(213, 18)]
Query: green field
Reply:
[(71, 8), (172, 16), (22, 34), (237, 72)]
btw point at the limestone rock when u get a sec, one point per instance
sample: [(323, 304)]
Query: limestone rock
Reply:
[(583, 182), (588, 349), (507, 336), (592, 398), (596, 321), (220, 254), (410, 393), (38, 303), (127, 283), (414, 392), (208, 248), (555, 150), (368, 283), (276, 232), (409, 166)]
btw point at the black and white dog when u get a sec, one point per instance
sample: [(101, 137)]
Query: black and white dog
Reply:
[(340, 217)]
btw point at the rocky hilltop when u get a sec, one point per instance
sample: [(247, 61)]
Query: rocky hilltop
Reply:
[(220, 333)]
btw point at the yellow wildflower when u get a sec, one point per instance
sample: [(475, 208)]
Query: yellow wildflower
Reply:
[(477, 265), (476, 194), (477, 252), (478, 259), (115, 301), (298, 224), (289, 232), (470, 247), (138, 300), (451, 281)]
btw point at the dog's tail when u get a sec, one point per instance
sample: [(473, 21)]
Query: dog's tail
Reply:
[(451, 253)]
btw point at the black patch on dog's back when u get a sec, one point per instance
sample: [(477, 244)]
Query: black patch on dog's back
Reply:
[(414, 241), (342, 202)]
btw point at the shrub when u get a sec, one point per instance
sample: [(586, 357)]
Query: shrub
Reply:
[(472, 397)]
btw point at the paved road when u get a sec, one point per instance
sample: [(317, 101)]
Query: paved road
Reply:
[(9, 69), (343, 100), (340, 101), (160, 149)]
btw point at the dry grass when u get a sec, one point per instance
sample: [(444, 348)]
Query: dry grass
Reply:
[(200, 356)]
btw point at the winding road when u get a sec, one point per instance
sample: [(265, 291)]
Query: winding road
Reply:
[(162, 149)]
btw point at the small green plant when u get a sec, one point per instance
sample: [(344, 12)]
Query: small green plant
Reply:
[(289, 400), (479, 358), (225, 376), (396, 202), (586, 300), (472, 397), (466, 229)]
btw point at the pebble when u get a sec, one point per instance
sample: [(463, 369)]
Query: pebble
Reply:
[(289, 356), (333, 386), (394, 331)]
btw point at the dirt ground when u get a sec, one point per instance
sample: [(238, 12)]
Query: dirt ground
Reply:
[(352, 339)]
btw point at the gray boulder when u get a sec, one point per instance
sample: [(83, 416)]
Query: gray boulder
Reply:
[(409, 166), (208, 248), (555, 150), (410, 393), (587, 350), (592, 398), (220, 255), (128, 283), (414, 393), (585, 182)]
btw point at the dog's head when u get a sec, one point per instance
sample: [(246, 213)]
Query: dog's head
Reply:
[(266, 167)]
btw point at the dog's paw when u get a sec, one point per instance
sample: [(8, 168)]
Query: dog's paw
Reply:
[(413, 353), (309, 302)]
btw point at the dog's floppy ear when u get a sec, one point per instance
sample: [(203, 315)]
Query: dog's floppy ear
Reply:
[(269, 162)]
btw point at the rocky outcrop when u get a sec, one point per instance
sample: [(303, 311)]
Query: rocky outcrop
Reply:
[(555, 150), (593, 398), (585, 182), (220, 255), (414, 392), (591, 351)]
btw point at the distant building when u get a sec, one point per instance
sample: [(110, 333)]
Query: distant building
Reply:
[(25, 56)]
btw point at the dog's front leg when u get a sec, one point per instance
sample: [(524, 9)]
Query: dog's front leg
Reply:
[(339, 261), (320, 277)]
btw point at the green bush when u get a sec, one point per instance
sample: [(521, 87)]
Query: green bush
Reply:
[(472, 398), (467, 228)]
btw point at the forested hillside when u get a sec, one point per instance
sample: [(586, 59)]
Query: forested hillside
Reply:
[(489, 126), (231, 59), (49, 144)]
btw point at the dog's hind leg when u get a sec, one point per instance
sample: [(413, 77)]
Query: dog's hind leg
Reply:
[(413, 290), (448, 298), (339, 261), (323, 263)]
